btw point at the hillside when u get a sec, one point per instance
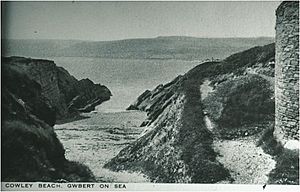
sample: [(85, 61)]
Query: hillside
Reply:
[(174, 47), (188, 115)]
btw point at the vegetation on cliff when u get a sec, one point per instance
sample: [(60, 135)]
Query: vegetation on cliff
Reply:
[(34, 94), (30, 148), (65, 95), (177, 146), (243, 105), (286, 170)]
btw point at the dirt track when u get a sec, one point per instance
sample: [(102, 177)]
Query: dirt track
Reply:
[(247, 163)]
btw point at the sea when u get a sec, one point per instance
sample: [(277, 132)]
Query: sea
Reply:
[(126, 78)]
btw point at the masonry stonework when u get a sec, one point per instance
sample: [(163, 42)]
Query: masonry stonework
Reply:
[(287, 73)]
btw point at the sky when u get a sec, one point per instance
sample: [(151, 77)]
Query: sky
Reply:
[(102, 21)]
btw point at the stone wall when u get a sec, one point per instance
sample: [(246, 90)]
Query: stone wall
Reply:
[(287, 74)]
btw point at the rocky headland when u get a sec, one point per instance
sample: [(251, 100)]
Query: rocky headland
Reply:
[(188, 118), (62, 93), (35, 95)]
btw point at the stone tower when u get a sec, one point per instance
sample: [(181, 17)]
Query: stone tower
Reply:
[(287, 75)]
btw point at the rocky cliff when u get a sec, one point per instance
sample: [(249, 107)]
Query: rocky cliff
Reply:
[(34, 94), (65, 95), (236, 95)]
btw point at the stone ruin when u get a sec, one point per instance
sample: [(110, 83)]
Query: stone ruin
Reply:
[(287, 75)]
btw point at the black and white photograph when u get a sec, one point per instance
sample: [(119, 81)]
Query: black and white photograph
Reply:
[(134, 95)]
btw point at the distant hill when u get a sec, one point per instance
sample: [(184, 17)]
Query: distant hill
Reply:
[(171, 47)]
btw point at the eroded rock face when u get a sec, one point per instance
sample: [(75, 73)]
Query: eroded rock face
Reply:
[(176, 145), (65, 95), (31, 150), (35, 93), (88, 96)]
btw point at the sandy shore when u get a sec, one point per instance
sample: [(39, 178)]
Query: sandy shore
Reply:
[(95, 140)]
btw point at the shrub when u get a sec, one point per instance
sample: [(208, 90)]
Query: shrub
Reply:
[(287, 161), (287, 168)]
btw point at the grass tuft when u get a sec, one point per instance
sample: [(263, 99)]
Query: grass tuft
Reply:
[(287, 161), (287, 168)]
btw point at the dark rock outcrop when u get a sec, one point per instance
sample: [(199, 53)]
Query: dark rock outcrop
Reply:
[(34, 94), (31, 150), (64, 95), (177, 145)]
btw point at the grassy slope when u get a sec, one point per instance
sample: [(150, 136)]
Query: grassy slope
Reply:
[(199, 156), (241, 105), (192, 139), (287, 166), (249, 101)]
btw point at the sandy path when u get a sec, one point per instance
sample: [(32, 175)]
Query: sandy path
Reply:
[(247, 163), (205, 89)]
